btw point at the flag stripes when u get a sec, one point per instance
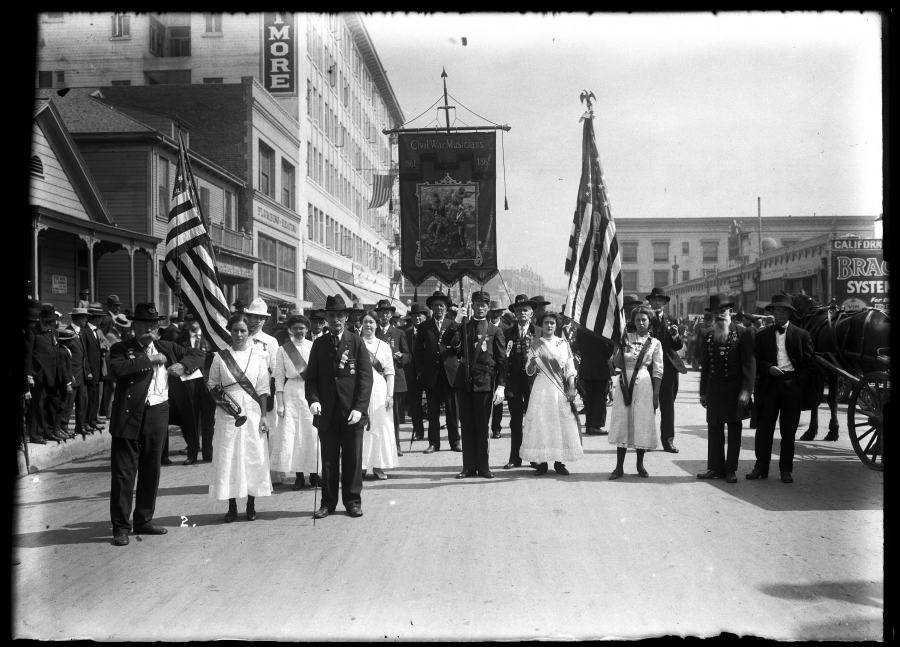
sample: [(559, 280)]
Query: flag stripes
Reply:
[(189, 269), (381, 189), (593, 264)]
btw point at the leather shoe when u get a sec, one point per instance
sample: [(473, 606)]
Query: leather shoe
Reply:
[(512, 464), (251, 514), (786, 477), (615, 474), (465, 474), (560, 468), (299, 484), (189, 461), (120, 537), (399, 453), (541, 469), (322, 512), (354, 511), (488, 474), (314, 480), (669, 447), (149, 529), (592, 431), (709, 474), (430, 449), (456, 447), (419, 436), (642, 472), (730, 477), (755, 474)]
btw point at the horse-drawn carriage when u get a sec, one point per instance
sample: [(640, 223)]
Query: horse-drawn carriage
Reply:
[(852, 347)]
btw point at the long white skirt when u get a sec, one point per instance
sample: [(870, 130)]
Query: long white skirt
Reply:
[(293, 444), (240, 464), (550, 429), (379, 444), (634, 426)]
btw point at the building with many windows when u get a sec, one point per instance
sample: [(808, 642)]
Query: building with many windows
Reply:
[(323, 72)]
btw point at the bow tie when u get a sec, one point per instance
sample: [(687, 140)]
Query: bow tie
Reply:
[(781, 329)]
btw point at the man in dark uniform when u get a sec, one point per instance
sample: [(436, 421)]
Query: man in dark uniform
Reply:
[(726, 382), (48, 392), (785, 364), (414, 389), (80, 371), (437, 366), (518, 338), (479, 382), (394, 337), (594, 353), (666, 331), (495, 310), (338, 387), (140, 413)]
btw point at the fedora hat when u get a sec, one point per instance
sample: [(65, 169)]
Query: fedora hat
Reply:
[(122, 321), (782, 300), (65, 334), (717, 301), (385, 304), (146, 312), (113, 299), (494, 306), (96, 309), (336, 304), (522, 300), (257, 307), (658, 293), (417, 308), (632, 299), (48, 311), (316, 314), (74, 312), (437, 294), (540, 301), (481, 295)]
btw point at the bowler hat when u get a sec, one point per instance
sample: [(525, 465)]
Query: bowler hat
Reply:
[(417, 308), (385, 304), (522, 300), (257, 307), (782, 300), (540, 301), (481, 295), (717, 301), (335, 304), (438, 295), (74, 312), (146, 312), (658, 293), (113, 299)]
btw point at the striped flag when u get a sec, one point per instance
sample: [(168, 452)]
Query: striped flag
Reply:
[(381, 189), (593, 264), (190, 269)]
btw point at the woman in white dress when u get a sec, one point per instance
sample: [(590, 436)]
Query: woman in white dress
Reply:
[(379, 444), (240, 464), (639, 366), (550, 429), (293, 445)]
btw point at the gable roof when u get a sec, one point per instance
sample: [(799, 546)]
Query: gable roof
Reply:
[(83, 113)]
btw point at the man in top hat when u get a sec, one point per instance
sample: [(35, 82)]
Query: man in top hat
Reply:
[(338, 387), (257, 313), (95, 351), (726, 382), (479, 383), (141, 367), (414, 389), (494, 317), (394, 337), (80, 371), (46, 373), (518, 338), (629, 303), (785, 364), (665, 330), (437, 365)]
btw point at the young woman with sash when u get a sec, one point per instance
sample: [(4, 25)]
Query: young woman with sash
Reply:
[(636, 393), (379, 444), (240, 464), (293, 445), (550, 429)]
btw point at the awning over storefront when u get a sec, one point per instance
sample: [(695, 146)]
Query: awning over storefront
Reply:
[(366, 297), (318, 287)]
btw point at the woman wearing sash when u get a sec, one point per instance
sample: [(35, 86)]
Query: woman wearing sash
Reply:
[(293, 445), (240, 464), (639, 365), (379, 444), (550, 429)]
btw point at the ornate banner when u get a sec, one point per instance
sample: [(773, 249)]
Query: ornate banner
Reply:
[(447, 206)]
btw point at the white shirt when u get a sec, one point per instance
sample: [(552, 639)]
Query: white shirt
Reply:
[(784, 362), (159, 385), (271, 347)]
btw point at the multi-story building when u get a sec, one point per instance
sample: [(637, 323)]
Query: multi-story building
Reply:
[(322, 70)]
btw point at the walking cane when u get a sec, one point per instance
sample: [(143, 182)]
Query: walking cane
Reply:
[(24, 434)]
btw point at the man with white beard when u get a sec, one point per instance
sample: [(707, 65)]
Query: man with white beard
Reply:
[(727, 373)]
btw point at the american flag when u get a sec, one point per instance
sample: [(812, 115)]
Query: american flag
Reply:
[(593, 264), (381, 189), (190, 268)]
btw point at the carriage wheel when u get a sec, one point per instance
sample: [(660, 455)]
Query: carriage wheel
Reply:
[(865, 417)]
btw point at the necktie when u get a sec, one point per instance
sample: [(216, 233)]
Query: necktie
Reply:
[(336, 340), (781, 328)]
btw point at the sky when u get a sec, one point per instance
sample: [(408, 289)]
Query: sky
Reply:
[(695, 114)]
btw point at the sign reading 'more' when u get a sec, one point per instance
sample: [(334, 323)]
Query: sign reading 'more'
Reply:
[(279, 61)]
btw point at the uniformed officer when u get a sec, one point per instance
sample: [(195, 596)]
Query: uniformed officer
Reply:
[(727, 373)]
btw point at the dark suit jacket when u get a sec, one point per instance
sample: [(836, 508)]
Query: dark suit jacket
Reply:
[(517, 380), (45, 364), (486, 354), (659, 329), (78, 364), (800, 351), (397, 340), (594, 353), (432, 354), (92, 354), (340, 379), (411, 368), (133, 371)]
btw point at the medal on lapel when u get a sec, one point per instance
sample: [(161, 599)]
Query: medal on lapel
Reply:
[(343, 361)]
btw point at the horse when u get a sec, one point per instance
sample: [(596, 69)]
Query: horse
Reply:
[(852, 341)]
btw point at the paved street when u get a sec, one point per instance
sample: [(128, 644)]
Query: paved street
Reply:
[(519, 557)]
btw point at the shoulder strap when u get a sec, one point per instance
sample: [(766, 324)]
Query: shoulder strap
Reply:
[(628, 386), (239, 376), (294, 354)]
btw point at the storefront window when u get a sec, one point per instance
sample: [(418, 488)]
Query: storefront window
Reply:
[(277, 265)]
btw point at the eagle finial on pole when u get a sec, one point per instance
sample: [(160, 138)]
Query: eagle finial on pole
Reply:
[(588, 97)]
